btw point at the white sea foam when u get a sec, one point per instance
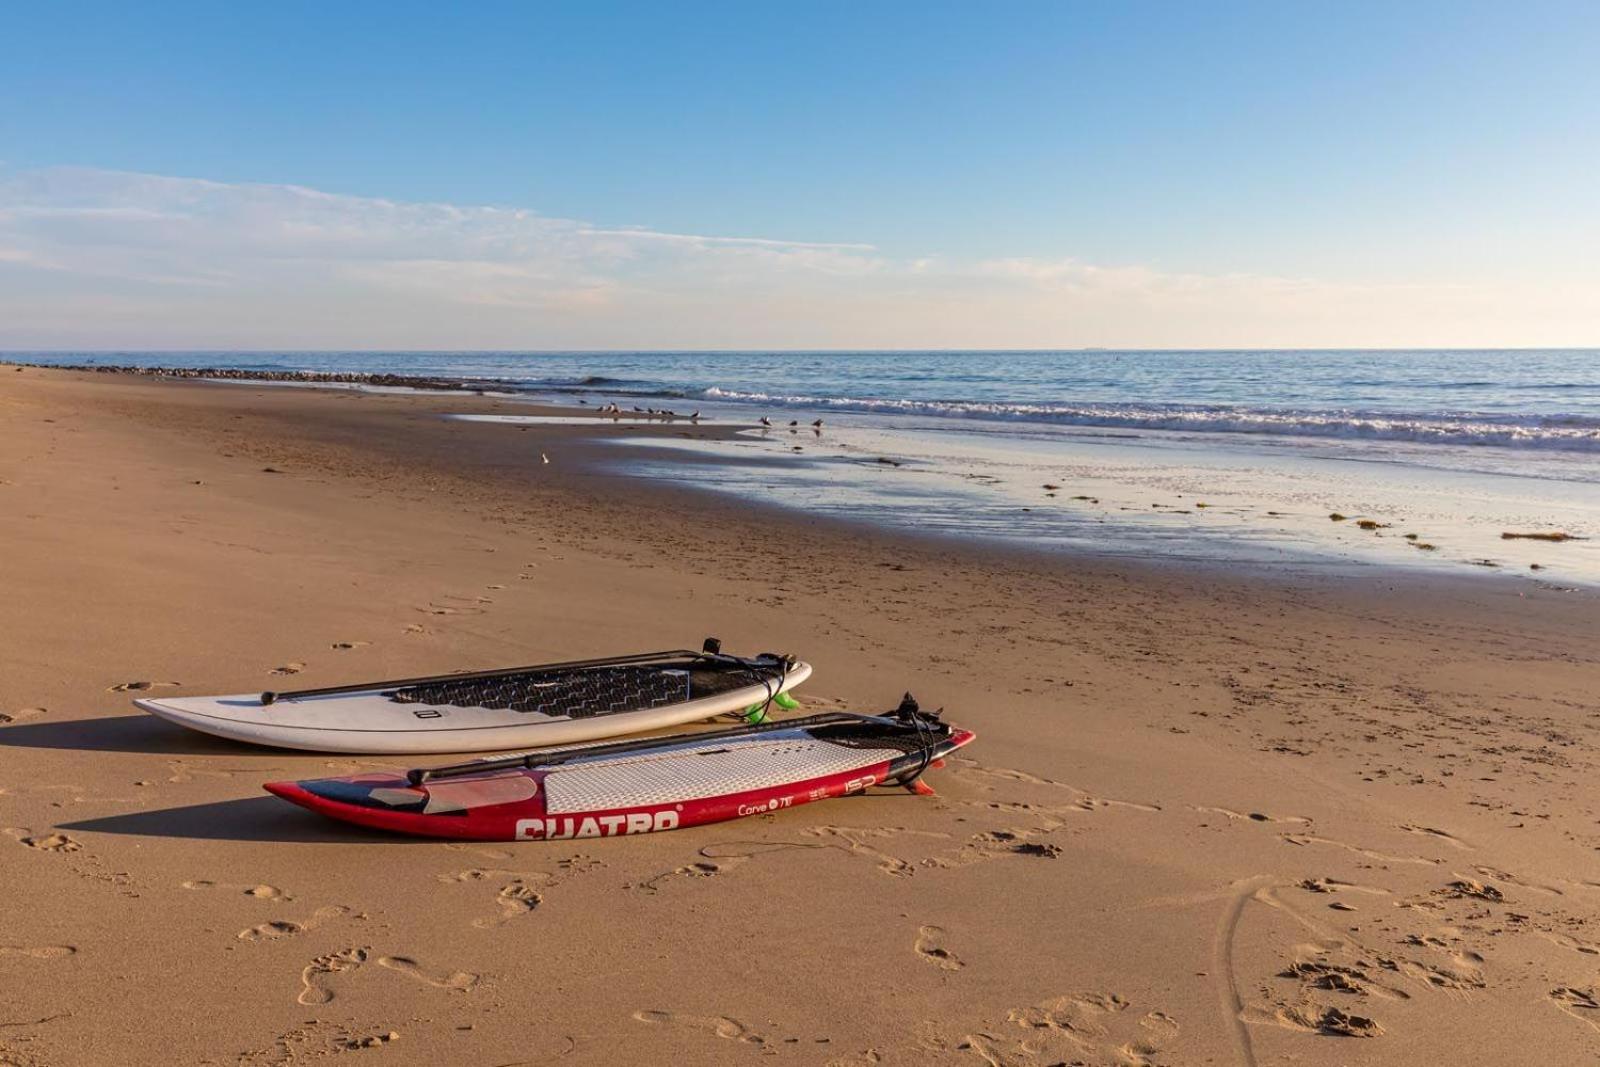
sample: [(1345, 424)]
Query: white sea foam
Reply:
[(1571, 433)]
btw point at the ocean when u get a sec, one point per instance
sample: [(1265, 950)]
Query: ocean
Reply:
[(1510, 398), (1234, 455)]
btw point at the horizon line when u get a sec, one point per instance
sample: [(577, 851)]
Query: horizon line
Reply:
[(769, 349)]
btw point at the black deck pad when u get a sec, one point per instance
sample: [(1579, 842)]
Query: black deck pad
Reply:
[(578, 694)]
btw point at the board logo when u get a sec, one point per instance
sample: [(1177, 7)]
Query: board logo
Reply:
[(764, 806), (561, 829)]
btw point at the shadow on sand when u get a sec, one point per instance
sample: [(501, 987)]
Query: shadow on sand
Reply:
[(121, 733), (260, 818)]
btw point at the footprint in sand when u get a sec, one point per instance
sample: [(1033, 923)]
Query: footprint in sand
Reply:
[(1440, 835), (1081, 799), (435, 609), (1511, 879), (260, 892), (1576, 944), (22, 714), (1578, 1003), (415, 628), (189, 771), (39, 952), (1471, 887), (930, 946), (1339, 885), (458, 981), (744, 850), (288, 668), (865, 1058), (698, 869), (1318, 1019), (43, 842), (280, 928), (486, 851), (723, 1026), (1307, 840), (1249, 816), (1340, 964), (1314, 970), (720, 859), (353, 1044), (1069, 1028), (314, 977), (516, 900), (518, 896), (139, 687), (981, 847), (855, 840)]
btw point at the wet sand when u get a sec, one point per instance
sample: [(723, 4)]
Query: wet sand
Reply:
[(1210, 817)]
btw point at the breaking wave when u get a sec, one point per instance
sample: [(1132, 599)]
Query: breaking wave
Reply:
[(1562, 432)]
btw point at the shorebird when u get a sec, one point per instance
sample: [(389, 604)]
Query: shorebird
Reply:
[(817, 424), (544, 457), (765, 421), (695, 417), (794, 422)]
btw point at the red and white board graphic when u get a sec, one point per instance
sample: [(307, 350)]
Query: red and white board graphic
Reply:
[(640, 786)]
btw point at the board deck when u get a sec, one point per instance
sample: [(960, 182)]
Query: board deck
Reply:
[(541, 705), (642, 786)]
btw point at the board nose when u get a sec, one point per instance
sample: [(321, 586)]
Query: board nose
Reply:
[(287, 790)]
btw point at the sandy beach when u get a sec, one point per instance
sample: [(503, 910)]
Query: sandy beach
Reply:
[(1211, 817)]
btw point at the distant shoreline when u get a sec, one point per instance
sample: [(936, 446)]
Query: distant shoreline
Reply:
[(308, 377)]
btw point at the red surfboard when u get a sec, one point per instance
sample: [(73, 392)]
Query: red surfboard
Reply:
[(643, 786)]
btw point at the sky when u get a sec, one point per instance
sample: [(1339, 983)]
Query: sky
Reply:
[(822, 175)]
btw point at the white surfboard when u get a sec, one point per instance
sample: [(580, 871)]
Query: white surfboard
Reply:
[(482, 711)]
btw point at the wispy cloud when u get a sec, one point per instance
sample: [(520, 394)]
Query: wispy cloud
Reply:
[(98, 258)]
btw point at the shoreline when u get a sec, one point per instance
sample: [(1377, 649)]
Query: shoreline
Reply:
[(1187, 501), (1195, 748), (235, 374)]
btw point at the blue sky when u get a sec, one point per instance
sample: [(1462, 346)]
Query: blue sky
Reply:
[(1430, 146)]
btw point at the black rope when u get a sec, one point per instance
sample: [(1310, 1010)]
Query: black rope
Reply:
[(785, 663), (927, 737)]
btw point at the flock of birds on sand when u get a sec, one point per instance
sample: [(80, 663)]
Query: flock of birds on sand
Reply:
[(649, 413), (615, 411), (816, 427)]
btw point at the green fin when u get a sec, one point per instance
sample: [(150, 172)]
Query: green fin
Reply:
[(786, 702), (755, 714)]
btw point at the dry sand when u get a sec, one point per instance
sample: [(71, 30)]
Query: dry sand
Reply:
[(1208, 819)]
